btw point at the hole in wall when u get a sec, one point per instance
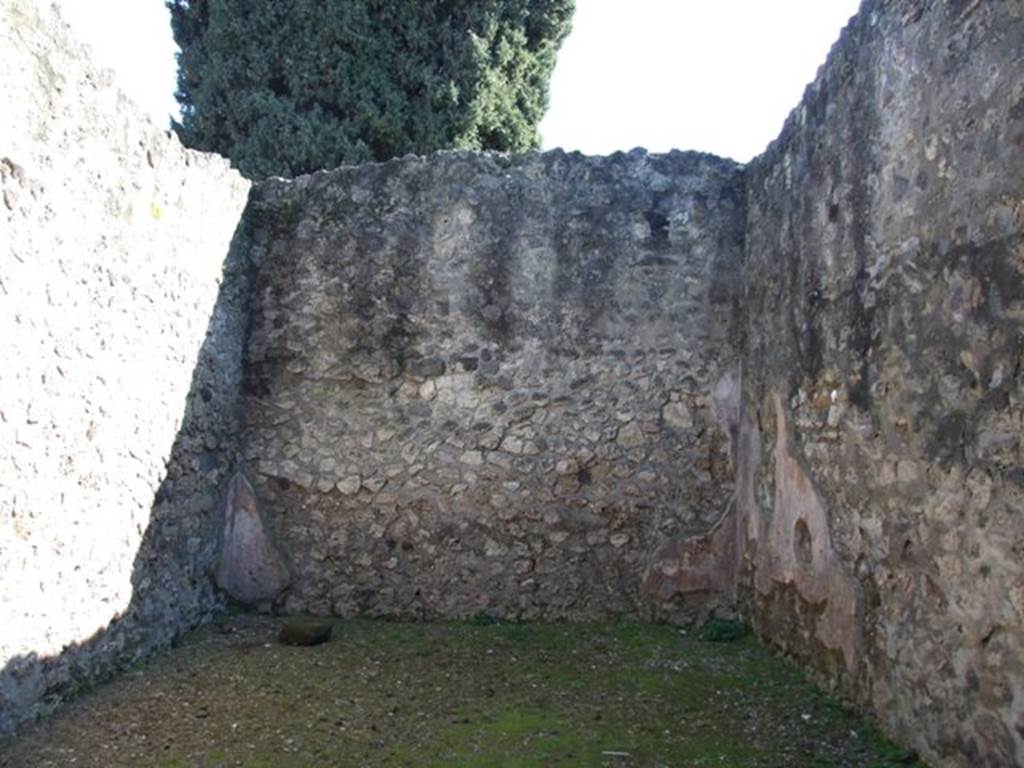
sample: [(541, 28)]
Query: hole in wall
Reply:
[(659, 226), (802, 543), (583, 476), (992, 632), (908, 549)]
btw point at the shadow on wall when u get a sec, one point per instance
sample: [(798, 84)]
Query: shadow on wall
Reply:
[(172, 579)]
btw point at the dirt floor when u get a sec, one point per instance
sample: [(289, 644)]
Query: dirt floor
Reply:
[(481, 693)]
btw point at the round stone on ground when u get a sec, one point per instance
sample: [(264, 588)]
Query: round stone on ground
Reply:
[(304, 632)]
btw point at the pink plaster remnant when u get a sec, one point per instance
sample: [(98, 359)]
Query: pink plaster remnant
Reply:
[(252, 569), (796, 549), (698, 564)]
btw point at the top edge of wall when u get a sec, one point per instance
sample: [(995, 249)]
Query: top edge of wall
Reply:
[(48, 20), (501, 162), (851, 39)]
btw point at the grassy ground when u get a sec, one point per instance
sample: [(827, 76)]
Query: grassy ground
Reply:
[(476, 694)]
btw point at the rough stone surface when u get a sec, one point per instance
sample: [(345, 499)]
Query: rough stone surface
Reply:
[(540, 387), (251, 568), (880, 482), (482, 384), (120, 336)]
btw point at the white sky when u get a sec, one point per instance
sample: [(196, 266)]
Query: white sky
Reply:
[(132, 37), (718, 76)]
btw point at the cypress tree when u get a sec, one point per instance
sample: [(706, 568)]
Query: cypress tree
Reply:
[(284, 88)]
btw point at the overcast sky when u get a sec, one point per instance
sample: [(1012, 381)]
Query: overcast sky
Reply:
[(713, 75)]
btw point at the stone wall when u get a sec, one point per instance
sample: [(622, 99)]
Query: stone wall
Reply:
[(880, 485), (481, 384), (120, 336), (548, 386)]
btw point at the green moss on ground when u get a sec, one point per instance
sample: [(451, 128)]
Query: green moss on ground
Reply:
[(480, 693)]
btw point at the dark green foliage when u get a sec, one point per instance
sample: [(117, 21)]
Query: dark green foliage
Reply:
[(717, 630), (891, 756), (284, 88), (483, 619)]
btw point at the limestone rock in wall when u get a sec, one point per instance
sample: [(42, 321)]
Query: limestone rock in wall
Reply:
[(251, 568)]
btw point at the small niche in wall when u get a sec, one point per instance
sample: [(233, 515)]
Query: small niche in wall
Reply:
[(802, 543)]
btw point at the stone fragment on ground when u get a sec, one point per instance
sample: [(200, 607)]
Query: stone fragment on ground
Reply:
[(304, 632)]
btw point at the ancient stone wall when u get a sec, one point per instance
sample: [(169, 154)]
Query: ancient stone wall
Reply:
[(120, 336), (548, 386), (880, 486), (481, 384)]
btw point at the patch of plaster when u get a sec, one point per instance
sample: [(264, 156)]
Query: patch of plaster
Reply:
[(706, 563), (698, 564), (726, 407), (251, 569), (796, 549)]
